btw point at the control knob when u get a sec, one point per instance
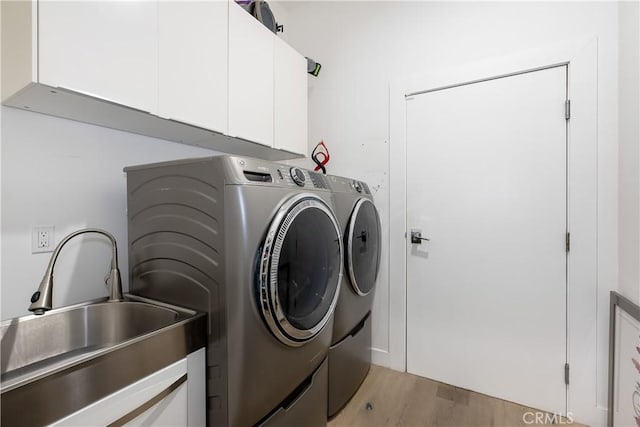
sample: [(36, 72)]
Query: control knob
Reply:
[(297, 175), (357, 186)]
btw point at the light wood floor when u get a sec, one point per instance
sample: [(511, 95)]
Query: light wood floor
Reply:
[(391, 398)]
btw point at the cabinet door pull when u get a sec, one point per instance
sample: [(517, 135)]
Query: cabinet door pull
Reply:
[(149, 403)]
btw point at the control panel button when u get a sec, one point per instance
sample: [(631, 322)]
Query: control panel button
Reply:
[(297, 175)]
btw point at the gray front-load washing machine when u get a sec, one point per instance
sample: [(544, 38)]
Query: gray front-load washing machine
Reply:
[(350, 352), (257, 246)]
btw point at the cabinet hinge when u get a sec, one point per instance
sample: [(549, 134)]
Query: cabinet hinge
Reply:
[(566, 373), (567, 109), (568, 242)]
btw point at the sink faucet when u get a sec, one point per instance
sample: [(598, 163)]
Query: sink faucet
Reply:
[(42, 300)]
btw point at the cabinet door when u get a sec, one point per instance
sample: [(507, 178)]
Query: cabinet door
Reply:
[(107, 49), (193, 62), (170, 411), (168, 385), (290, 99), (251, 54)]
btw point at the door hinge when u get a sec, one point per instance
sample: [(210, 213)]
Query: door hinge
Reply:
[(567, 109), (568, 242), (566, 373)]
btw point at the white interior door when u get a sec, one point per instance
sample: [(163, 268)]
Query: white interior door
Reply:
[(486, 183)]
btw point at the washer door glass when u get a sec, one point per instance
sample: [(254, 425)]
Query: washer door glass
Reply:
[(300, 269), (363, 246)]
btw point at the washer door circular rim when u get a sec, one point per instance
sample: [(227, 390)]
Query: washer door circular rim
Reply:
[(350, 268), (272, 311)]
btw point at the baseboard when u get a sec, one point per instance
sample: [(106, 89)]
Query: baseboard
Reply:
[(599, 417), (380, 357)]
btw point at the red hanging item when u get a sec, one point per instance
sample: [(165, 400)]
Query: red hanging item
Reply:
[(320, 156)]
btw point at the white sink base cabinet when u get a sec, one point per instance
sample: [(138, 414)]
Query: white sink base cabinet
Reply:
[(172, 396)]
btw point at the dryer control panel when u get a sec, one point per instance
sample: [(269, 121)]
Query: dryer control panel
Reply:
[(347, 185)]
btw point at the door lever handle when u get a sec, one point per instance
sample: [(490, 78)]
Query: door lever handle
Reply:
[(416, 237)]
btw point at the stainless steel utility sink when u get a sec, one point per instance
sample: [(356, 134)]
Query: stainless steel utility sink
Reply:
[(32, 344), (88, 339)]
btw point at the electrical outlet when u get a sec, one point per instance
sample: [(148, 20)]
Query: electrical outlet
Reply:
[(42, 239)]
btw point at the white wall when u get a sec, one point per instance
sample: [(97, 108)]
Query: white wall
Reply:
[(67, 174), (363, 46), (629, 156), (281, 13)]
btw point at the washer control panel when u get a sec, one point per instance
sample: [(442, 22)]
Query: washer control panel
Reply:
[(258, 171)]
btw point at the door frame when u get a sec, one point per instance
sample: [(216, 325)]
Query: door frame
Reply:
[(581, 58)]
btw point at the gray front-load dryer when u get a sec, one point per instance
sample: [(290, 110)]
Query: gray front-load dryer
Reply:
[(257, 246), (350, 352)]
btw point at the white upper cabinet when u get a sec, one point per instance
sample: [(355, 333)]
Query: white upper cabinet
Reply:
[(193, 62), (251, 96), (106, 49), (207, 65), (290, 103)]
